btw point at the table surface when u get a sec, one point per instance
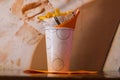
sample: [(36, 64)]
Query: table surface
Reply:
[(20, 75)]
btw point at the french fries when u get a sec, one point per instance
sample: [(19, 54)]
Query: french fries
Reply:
[(56, 13)]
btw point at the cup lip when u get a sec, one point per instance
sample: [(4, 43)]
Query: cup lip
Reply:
[(55, 28)]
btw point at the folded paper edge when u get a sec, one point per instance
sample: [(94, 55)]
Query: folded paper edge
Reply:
[(71, 23)]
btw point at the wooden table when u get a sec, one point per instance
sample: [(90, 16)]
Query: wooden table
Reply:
[(20, 75)]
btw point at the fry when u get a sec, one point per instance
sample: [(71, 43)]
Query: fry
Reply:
[(56, 13)]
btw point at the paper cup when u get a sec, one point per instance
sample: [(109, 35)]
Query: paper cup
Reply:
[(58, 46)]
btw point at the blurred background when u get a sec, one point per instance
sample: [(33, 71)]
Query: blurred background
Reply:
[(95, 30)]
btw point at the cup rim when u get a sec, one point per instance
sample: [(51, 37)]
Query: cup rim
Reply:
[(54, 28)]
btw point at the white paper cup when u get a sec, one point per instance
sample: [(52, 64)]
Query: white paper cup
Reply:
[(58, 46)]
